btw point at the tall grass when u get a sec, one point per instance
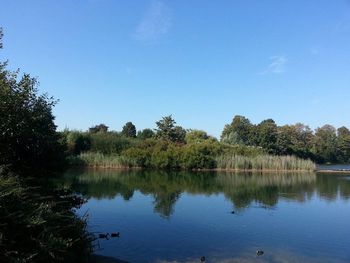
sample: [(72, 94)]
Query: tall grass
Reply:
[(225, 162), (264, 162), (101, 160)]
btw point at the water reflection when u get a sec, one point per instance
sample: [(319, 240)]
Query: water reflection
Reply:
[(242, 190), (180, 216)]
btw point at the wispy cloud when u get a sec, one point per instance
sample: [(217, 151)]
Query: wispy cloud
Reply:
[(277, 65), (155, 23)]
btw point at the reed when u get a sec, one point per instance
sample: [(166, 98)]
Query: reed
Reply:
[(101, 160), (264, 162)]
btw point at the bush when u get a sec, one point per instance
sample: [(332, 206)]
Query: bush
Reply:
[(200, 155), (77, 142), (38, 224), (142, 157), (109, 143), (166, 156)]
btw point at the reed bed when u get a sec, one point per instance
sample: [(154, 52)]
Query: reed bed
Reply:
[(264, 162), (101, 160)]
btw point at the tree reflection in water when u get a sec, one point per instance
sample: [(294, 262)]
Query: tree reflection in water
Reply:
[(242, 189)]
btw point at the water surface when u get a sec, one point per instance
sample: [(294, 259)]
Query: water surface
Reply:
[(181, 216)]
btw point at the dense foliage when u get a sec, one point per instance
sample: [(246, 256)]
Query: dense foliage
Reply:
[(38, 223), (326, 144), (129, 130), (172, 147), (28, 137)]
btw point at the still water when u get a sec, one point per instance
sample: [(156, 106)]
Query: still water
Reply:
[(182, 216)]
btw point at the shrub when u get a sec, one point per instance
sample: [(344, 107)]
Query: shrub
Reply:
[(77, 142), (200, 155), (109, 143), (39, 225)]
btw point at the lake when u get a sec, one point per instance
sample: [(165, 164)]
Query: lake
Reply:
[(182, 216)]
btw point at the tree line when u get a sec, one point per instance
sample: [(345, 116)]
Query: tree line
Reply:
[(324, 145)]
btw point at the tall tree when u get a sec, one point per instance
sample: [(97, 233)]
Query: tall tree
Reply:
[(267, 135), (238, 132), (167, 130), (343, 144), (129, 130), (325, 144), (295, 139), (28, 137)]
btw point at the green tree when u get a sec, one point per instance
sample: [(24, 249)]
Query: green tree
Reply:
[(343, 144), (196, 136), (129, 130), (325, 144), (166, 130), (145, 134), (28, 137), (267, 135), (238, 132), (295, 139), (179, 134), (98, 128)]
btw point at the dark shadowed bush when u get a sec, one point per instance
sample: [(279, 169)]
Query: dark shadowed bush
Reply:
[(39, 225), (109, 143), (77, 142)]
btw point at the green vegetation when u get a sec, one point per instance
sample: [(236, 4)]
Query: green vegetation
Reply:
[(28, 136), (129, 130), (243, 145), (264, 162), (101, 160), (199, 153), (172, 147), (38, 223), (325, 145)]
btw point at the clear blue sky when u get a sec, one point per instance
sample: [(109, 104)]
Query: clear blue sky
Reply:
[(202, 61)]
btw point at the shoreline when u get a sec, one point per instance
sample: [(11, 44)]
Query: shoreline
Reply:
[(333, 171), (101, 167)]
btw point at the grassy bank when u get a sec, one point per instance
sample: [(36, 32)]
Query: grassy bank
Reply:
[(195, 162)]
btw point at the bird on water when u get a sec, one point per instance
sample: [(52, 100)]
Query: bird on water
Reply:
[(103, 235), (115, 234)]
